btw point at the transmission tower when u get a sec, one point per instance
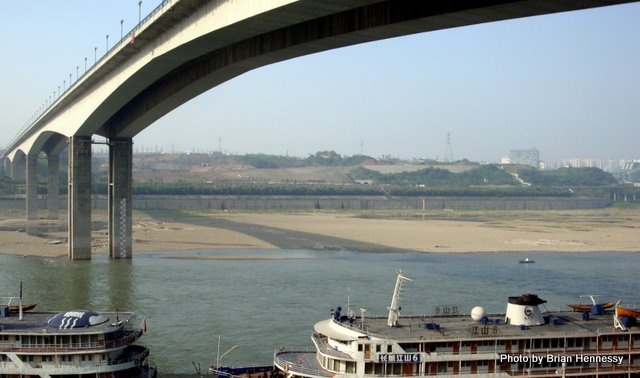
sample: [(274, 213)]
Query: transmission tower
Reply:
[(448, 153)]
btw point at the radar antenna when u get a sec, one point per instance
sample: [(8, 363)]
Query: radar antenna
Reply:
[(394, 308)]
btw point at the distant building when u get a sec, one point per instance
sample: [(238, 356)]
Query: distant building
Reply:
[(525, 157), (631, 171), (609, 165)]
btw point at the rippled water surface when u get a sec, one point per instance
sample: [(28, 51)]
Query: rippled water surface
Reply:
[(262, 304)]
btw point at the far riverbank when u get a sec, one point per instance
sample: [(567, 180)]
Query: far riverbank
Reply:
[(450, 231)]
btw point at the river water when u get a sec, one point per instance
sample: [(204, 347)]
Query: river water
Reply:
[(256, 305)]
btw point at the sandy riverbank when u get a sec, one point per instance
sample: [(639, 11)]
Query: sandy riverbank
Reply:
[(444, 231)]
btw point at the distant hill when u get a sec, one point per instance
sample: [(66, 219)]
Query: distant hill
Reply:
[(328, 167), (328, 173)]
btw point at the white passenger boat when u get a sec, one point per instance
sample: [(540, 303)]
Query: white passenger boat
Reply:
[(71, 344), (527, 340)]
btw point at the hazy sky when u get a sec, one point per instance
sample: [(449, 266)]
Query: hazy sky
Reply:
[(567, 84)]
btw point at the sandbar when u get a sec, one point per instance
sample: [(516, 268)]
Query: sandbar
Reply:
[(595, 230)]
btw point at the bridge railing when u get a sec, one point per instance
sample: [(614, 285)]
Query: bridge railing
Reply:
[(126, 39)]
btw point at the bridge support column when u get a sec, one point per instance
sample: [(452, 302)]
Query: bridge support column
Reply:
[(18, 168), (120, 174), (53, 197), (3, 168), (32, 187), (79, 194)]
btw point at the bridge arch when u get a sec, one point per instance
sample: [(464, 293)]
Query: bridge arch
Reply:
[(18, 163)]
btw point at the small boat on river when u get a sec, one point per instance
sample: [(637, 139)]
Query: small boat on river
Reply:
[(27, 307), (257, 371), (527, 261)]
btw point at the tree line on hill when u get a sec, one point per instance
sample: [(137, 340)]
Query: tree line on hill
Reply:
[(491, 175), (322, 158), (483, 180)]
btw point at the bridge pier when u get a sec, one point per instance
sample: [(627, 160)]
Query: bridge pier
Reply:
[(32, 187), (53, 193), (4, 168), (79, 197), (18, 168), (119, 201)]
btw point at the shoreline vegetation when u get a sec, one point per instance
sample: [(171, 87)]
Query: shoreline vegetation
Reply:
[(611, 229)]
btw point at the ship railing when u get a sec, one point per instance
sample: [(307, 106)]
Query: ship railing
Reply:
[(287, 365), (322, 345), (72, 347), (135, 357), (577, 371)]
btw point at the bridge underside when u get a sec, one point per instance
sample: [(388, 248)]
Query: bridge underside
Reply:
[(341, 27), (186, 70)]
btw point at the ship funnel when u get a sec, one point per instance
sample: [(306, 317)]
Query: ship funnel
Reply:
[(524, 311)]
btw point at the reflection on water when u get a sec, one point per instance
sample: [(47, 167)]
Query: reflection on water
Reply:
[(263, 304), (59, 284)]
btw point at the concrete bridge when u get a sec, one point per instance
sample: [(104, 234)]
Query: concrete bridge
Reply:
[(186, 47)]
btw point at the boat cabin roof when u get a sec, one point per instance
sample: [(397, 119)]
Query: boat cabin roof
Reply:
[(461, 327), (64, 322)]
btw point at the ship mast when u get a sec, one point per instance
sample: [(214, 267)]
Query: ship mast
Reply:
[(394, 308)]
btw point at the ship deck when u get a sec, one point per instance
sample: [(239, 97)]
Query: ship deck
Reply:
[(35, 323), (463, 327)]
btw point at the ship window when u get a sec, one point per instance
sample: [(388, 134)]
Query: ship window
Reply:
[(351, 367), (368, 368), (537, 344), (378, 348), (360, 347), (410, 347), (389, 348)]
